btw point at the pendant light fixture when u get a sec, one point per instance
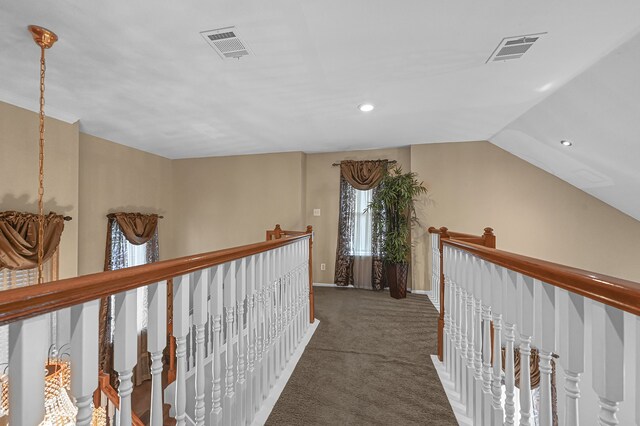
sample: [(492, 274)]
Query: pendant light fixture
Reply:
[(45, 39), (59, 408)]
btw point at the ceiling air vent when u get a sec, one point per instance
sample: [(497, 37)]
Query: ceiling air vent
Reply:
[(513, 47), (226, 42)]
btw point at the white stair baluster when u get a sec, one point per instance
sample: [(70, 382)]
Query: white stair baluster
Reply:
[(275, 320), (84, 357), (200, 313), (27, 357), (477, 344), (571, 342), (266, 328), (251, 337), (156, 342), (217, 310), (285, 307), (453, 327), (460, 308), (180, 332), (608, 360), (464, 322), (526, 325), (63, 328), (545, 340), (487, 395), (497, 310), (281, 311), (445, 304), (470, 336), (449, 311), (241, 294), (229, 406), (125, 349), (290, 305), (257, 384), (510, 318)]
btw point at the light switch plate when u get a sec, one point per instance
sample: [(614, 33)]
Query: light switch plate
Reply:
[(323, 266), (316, 212)]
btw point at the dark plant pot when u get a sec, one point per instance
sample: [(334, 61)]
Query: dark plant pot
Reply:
[(397, 279)]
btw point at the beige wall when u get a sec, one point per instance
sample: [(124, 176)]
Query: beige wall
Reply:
[(476, 184), (323, 192), (19, 173), (222, 202), (117, 178), (226, 201)]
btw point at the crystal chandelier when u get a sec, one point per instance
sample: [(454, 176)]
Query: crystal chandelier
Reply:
[(58, 407)]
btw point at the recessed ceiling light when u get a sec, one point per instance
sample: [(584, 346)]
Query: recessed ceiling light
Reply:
[(365, 107), (566, 143)]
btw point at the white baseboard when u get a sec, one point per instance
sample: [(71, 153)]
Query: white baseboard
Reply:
[(331, 285), (268, 404), (425, 292), (459, 410)]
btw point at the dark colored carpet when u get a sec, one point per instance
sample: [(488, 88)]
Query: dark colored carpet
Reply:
[(368, 363)]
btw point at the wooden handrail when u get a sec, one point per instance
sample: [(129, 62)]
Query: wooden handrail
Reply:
[(616, 292), (26, 302)]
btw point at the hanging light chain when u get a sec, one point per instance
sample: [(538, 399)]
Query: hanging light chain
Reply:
[(40, 243)]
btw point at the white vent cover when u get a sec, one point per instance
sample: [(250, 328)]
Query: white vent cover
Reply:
[(513, 47), (226, 42)]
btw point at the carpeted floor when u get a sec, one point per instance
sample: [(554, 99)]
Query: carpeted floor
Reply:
[(367, 364)]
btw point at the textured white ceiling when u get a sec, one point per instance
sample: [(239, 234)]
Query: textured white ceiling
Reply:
[(139, 73), (599, 111)]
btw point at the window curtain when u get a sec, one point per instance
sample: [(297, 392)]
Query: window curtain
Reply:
[(358, 175), (19, 238), (124, 230)]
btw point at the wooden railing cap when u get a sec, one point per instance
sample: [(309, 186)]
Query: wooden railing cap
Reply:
[(616, 292), (26, 302)]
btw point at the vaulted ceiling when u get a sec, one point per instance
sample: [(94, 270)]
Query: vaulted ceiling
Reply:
[(140, 74)]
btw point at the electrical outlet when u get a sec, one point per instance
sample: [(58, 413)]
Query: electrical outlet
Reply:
[(316, 212), (323, 266)]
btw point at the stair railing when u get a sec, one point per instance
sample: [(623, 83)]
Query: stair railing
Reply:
[(552, 308), (437, 292), (253, 300)]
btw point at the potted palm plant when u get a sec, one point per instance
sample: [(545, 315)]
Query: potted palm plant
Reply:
[(393, 214)]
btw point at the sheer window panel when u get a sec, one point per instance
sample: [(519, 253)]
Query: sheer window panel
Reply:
[(136, 256), (361, 239)]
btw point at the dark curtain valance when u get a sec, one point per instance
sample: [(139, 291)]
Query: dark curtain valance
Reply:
[(19, 238), (363, 175), (137, 227)]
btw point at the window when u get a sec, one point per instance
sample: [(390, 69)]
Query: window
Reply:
[(361, 238)]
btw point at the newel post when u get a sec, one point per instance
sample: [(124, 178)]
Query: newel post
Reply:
[(489, 238), (312, 315), (444, 234)]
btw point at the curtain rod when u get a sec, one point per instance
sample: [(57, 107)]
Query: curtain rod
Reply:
[(388, 161)]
